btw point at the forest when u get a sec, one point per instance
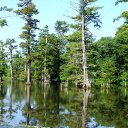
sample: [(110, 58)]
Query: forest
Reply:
[(70, 57), (56, 57)]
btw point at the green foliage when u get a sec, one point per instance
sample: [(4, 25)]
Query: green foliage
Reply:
[(90, 13), (61, 53), (72, 62), (122, 51), (106, 106), (3, 22), (124, 14), (120, 1), (61, 27), (18, 67), (27, 11), (3, 61), (121, 34), (5, 8), (45, 57), (102, 65), (124, 78)]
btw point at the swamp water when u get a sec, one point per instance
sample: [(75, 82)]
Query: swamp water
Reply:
[(51, 107)]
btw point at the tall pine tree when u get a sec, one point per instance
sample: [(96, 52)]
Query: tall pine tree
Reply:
[(86, 16), (27, 10)]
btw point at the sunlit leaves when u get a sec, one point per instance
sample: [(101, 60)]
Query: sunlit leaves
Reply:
[(122, 34), (27, 9)]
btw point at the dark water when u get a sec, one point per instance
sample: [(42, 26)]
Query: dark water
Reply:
[(51, 107)]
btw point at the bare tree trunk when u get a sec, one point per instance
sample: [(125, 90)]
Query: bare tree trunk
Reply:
[(29, 53), (58, 66), (45, 61), (86, 82), (28, 73), (0, 85), (25, 67), (11, 72), (29, 66)]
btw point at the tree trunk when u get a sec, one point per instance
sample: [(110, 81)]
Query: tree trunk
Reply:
[(25, 67), (45, 60), (28, 73), (11, 73), (29, 63), (0, 85), (86, 82), (58, 65), (46, 71)]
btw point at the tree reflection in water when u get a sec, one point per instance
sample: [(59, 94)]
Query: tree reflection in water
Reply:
[(28, 102), (50, 106), (85, 106), (28, 95), (10, 101)]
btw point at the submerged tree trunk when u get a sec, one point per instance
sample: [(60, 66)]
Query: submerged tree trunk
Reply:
[(86, 82)]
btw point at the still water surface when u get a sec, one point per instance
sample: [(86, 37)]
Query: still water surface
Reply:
[(54, 107)]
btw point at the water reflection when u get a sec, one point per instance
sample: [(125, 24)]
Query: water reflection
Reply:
[(10, 110), (50, 106), (1, 109), (85, 106), (28, 96)]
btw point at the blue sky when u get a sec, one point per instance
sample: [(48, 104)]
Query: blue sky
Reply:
[(53, 10)]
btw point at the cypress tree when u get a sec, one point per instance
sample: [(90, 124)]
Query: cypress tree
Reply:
[(27, 10)]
